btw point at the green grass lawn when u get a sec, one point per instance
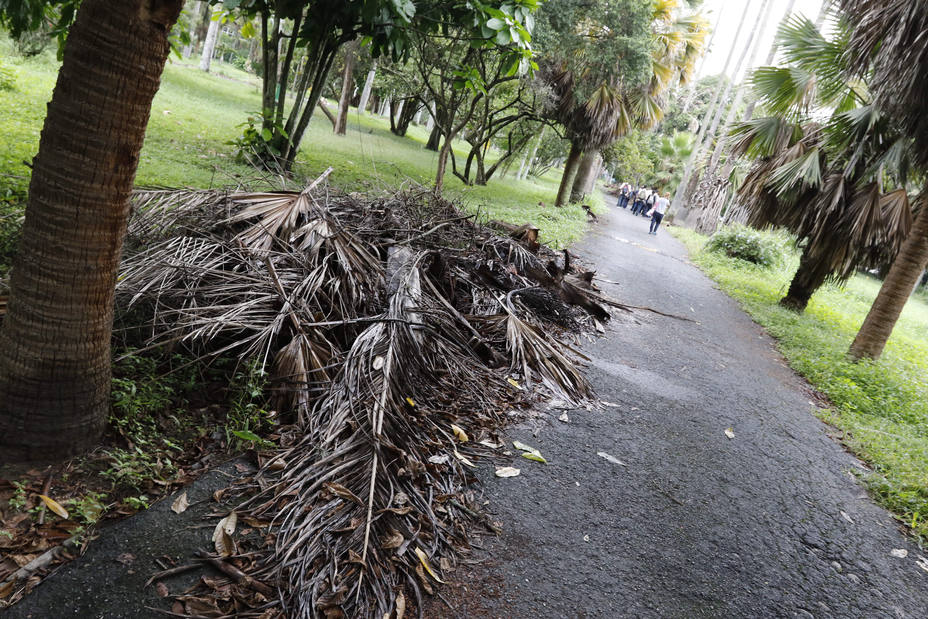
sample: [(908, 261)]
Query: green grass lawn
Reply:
[(880, 407), (195, 116)]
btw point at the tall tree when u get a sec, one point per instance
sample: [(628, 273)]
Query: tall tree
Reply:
[(55, 338), (678, 205), (351, 57), (209, 44), (890, 38)]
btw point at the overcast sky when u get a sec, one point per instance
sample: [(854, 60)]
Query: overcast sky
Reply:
[(730, 12)]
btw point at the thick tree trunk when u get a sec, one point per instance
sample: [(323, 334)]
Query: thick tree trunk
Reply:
[(586, 177), (408, 109), (209, 46), (434, 138), (366, 92), (809, 277), (351, 56), (570, 170), (903, 276), (55, 339)]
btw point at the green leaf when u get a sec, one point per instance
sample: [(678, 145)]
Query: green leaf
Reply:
[(245, 435), (495, 23)]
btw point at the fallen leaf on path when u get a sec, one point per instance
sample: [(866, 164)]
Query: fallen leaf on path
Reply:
[(922, 562), (610, 458), (507, 471), (55, 506), (514, 383), (609, 404), (490, 444), (180, 504), (729, 433), (586, 538), (523, 447), (459, 433), (846, 517), (535, 457), (126, 558), (400, 605), (464, 460), (899, 553), (222, 535), (162, 590), (564, 418), (424, 559)]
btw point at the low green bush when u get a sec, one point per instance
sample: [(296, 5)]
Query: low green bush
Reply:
[(8, 75), (743, 243)]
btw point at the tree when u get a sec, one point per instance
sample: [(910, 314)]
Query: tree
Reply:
[(209, 44), (55, 338), (825, 183), (890, 38), (344, 100)]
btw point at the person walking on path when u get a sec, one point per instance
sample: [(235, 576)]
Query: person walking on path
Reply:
[(657, 212)]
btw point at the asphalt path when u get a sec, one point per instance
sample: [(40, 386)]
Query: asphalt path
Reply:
[(771, 522)]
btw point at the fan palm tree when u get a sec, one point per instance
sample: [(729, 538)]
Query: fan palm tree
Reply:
[(824, 179), (890, 39), (617, 103)]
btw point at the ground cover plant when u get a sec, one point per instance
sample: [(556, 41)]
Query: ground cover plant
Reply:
[(880, 407)]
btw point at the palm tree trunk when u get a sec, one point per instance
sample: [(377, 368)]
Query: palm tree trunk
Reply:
[(55, 339), (586, 176), (209, 46), (351, 55), (691, 91), (771, 56), (809, 277), (679, 204), (750, 51), (570, 170), (903, 276)]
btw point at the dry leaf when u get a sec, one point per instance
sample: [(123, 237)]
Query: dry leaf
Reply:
[(610, 458), (514, 383), (162, 590), (55, 506), (378, 362), (395, 540), (729, 433), (922, 562), (464, 460), (180, 504), (490, 444), (564, 418), (507, 471), (400, 605), (222, 535), (846, 517), (424, 559), (459, 433), (440, 459), (899, 553)]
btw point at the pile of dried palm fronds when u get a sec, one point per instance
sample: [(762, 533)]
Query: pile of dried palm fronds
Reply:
[(394, 330)]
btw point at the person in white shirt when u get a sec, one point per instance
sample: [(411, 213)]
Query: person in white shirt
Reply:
[(657, 212)]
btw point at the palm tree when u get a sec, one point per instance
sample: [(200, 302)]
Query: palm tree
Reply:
[(615, 105), (890, 38), (825, 183), (55, 337)]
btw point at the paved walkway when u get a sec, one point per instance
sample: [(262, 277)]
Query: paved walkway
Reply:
[(770, 523)]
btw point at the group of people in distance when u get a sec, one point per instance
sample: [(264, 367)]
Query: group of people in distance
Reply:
[(645, 202)]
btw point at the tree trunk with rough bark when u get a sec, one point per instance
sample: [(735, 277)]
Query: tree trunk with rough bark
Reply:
[(809, 277), (570, 171), (351, 56), (366, 91), (903, 276), (442, 165), (586, 177), (55, 359), (434, 138), (209, 45)]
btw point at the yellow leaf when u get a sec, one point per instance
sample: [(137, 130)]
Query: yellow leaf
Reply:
[(424, 559), (411, 401), (514, 383), (534, 456), (523, 447), (459, 433), (54, 505), (464, 460)]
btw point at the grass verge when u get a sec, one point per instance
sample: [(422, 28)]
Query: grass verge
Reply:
[(880, 407)]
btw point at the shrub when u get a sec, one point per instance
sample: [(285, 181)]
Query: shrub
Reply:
[(7, 76), (743, 243)]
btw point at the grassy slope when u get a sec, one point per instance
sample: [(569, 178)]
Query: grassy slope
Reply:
[(195, 115), (882, 407)]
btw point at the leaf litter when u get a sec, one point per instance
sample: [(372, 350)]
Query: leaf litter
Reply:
[(382, 323)]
